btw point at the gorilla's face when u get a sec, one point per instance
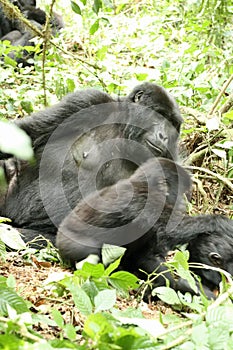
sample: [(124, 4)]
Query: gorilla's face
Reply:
[(216, 250)]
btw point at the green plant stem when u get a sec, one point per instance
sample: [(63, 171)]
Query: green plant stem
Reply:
[(227, 83), (24, 331)]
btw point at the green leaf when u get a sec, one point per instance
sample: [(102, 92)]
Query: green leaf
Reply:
[(200, 336), (97, 324), (11, 237), (166, 294), (70, 84), (123, 280), (9, 61), (91, 289), (27, 106), (112, 267), (180, 263), (11, 282), (101, 53), (10, 297), (221, 313), (94, 27), (14, 140), (93, 270), (75, 7), (57, 318), (105, 300), (2, 250), (70, 331), (182, 259), (11, 342), (81, 299), (84, 2), (97, 6), (110, 253)]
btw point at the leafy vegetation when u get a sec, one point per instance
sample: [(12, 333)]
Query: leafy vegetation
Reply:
[(187, 48), (93, 290)]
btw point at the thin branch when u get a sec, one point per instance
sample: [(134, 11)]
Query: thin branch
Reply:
[(45, 45), (221, 178), (227, 106), (227, 83)]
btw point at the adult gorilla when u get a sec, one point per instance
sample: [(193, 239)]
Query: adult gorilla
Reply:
[(145, 214), (86, 141)]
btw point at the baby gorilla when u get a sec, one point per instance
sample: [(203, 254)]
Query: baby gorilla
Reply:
[(145, 213)]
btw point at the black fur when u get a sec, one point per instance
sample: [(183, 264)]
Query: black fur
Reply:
[(73, 156), (116, 216)]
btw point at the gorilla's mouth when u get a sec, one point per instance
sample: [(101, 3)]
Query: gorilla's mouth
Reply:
[(155, 148)]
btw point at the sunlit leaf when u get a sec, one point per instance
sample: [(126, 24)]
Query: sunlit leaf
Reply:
[(75, 7)]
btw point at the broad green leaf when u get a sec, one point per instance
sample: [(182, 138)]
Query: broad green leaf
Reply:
[(105, 300), (93, 270), (81, 299), (10, 61), (97, 6), (166, 294), (228, 115), (75, 7), (10, 297), (11, 282), (110, 253), (70, 331), (200, 335), (94, 27), (221, 313), (27, 106), (97, 324), (11, 342), (57, 318), (112, 267), (101, 53), (91, 289), (70, 84), (11, 237), (123, 280), (14, 140), (2, 251)]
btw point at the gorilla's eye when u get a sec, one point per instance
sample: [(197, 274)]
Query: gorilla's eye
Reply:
[(215, 258), (138, 96)]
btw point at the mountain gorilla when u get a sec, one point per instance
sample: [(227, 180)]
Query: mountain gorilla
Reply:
[(13, 31), (145, 213), (89, 141), (86, 142)]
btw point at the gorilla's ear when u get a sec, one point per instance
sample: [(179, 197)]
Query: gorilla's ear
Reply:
[(137, 96), (216, 259)]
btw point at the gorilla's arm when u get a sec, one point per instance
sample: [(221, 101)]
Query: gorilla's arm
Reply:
[(127, 213)]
